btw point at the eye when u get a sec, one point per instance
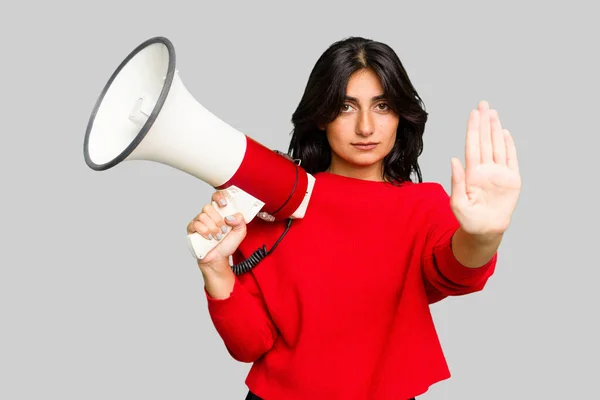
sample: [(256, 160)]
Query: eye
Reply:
[(383, 107), (346, 107)]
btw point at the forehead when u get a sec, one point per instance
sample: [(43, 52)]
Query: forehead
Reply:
[(364, 84)]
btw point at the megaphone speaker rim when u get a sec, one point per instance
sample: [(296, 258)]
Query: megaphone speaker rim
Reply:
[(149, 122)]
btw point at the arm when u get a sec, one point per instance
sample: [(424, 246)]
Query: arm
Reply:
[(453, 264), (239, 314), (474, 251), (218, 282), (235, 304), (484, 196)]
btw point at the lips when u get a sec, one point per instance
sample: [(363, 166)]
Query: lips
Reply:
[(364, 146)]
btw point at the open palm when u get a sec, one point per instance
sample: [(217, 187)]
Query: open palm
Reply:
[(485, 192)]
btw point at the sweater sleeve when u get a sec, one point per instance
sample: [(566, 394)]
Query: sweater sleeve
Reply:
[(443, 274), (242, 320)]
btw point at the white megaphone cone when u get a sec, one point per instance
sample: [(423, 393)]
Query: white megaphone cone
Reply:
[(145, 113)]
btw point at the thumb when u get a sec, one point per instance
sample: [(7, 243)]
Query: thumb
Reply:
[(458, 189), (236, 222), (234, 237)]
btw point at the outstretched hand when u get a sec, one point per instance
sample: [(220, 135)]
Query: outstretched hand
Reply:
[(485, 192)]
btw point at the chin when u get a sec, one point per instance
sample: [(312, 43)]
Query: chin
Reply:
[(364, 163), (360, 160), (366, 159)]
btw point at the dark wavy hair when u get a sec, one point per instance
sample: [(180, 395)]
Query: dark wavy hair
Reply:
[(323, 99)]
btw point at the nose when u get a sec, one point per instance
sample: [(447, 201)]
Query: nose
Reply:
[(365, 124)]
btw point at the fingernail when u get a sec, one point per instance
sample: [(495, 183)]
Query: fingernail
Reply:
[(224, 229), (219, 236), (230, 218), (222, 202), (210, 236)]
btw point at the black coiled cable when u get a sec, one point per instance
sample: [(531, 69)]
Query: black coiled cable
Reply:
[(258, 255)]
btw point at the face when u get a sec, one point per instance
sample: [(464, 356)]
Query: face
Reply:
[(365, 130)]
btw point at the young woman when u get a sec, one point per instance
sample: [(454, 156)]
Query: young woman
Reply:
[(340, 310)]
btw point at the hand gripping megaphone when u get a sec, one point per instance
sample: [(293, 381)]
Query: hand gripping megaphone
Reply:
[(144, 112)]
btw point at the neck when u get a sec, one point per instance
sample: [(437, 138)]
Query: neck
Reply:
[(369, 173)]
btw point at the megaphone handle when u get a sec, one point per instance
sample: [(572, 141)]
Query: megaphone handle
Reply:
[(237, 201)]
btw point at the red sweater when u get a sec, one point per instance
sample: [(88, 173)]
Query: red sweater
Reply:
[(340, 309)]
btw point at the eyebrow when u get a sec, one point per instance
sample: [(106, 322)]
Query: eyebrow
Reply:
[(354, 99)]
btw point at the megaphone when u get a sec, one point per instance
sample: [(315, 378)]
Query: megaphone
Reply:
[(145, 112)]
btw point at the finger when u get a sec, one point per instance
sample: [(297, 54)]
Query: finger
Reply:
[(236, 221), (190, 227), (219, 198), (497, 139), (483, 105), (196, 226), (511, 151), (472, 152), (216, 218), (233, 239), (211, 225), (485, 137)]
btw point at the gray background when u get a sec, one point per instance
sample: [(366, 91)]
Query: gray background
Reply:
[(99, 296)]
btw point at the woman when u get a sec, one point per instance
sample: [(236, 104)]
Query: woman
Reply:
[(341, 309)]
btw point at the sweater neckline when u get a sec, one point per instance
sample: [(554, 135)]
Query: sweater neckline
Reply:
[(356, 180)]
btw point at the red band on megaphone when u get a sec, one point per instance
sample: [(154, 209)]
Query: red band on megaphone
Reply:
[(271, 178)]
